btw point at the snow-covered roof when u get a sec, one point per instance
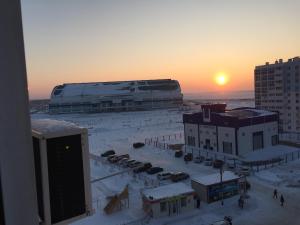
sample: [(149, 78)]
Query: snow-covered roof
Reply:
[(113, 88), (49, 126), (243, 113), (167, 191), (215, 178)]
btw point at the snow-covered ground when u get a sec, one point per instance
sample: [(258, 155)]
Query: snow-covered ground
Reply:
[(119, 130)]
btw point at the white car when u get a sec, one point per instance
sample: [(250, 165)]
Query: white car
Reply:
[(164, 176)]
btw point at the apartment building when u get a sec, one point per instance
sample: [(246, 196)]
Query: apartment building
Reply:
[(277, 88)]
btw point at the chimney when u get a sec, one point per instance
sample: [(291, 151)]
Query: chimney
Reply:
[(207, 109)]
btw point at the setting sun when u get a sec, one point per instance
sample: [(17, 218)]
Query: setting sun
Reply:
[(221, 79)]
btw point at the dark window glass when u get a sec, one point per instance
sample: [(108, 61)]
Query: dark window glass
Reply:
[(38, 176), (274, 139), (258, 140), (167, 87), (66, 181), (163, 206), (183, 202), (227, 147)]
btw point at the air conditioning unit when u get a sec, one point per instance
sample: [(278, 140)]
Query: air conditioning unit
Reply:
[(62, 171)]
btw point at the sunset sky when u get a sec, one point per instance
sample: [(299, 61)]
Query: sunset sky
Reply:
[(192, 41)]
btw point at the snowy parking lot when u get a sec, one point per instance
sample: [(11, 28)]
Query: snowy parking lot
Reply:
[(119, 131)]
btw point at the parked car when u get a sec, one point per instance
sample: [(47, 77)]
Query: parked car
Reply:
[(135, 164), (118, 158), (123, 161), (198, 159), (154, 170), (127, 163), (138, 145), (143, 168), (108, 153), (179, 176), (178, 153), (188, 157), (111, 158), (208, 162), (164, 176), (218, 163), (227, 221), (244, 171)]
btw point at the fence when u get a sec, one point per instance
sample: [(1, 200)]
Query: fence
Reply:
[(209, 154), (278, 160), (290, 136), (164, 142), (254, 165)]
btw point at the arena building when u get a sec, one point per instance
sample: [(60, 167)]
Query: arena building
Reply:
[(115, 96)]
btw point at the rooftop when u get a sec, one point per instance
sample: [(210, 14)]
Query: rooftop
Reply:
[(167, 191), (215, 178), (243, 113), (48, 126), (239, 117)]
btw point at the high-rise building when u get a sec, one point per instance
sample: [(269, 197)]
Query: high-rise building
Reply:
[(277, 88)]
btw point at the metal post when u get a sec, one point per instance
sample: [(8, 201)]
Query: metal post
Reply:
[(221, 182)]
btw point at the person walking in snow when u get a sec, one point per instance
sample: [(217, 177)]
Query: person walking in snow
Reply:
[(281, 200), (275, 194)]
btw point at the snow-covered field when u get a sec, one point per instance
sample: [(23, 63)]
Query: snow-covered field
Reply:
[(119, 130)]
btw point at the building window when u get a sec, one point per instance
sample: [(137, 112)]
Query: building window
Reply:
[(206, 113), (274, 139), (227, 147), (163, 206), (183, 202), (258, 140), (191, 141)]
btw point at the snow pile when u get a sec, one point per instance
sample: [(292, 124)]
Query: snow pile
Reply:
[(49, 126), (215, 178), (269, 176), (268, 153), (167, 191)]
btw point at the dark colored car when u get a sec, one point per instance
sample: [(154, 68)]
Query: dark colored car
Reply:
[(179, 176), (111, 158), (178, 153), (108, 153), (188, 157), (135, 164), (218, 163), (143, 168), (154, 170), (127, 163), (138, 145)]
